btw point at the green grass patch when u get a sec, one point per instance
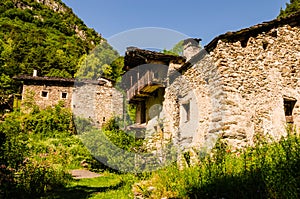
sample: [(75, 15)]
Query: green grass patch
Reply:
[(109, 185)]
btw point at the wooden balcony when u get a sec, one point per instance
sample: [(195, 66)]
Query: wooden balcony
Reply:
[(145, 85)]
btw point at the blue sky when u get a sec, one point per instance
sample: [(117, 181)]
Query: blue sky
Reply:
[(195, 18)]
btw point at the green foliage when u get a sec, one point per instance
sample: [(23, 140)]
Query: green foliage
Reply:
[(103, 61), (37, 37), (291, 8), (7, 87), (176, 50), (37, 177), (112, 146), (36, 150), (116, 69), (123, 140), (264, 171), (58, 73)]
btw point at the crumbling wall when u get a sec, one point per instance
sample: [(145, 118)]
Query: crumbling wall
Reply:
[(99, 103), (256, 78), (84, 100), (109, 103)]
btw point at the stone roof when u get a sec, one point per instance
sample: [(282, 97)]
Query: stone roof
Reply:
[(60, 80), (244, 34), (135, 57), (194, 41)]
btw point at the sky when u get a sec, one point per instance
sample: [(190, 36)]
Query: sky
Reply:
[(119, 19)]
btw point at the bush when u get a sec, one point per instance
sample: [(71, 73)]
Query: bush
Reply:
[(38, 177), (36, 151)]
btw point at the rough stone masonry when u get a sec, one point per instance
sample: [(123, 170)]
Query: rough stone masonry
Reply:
[(247, 84), (242, 86)]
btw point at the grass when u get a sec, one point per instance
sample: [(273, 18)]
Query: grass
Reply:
[(108, 186), (267, 170)]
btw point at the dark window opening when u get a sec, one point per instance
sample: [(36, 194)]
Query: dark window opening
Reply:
[(143, 112), (64, 95), (274, 33), (244, 42), (289, 105), (44, 94), (265, 45), (187, 158)]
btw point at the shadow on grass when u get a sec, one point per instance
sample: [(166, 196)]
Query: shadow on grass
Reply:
[(239, 187), (80, 192), (279, 182)]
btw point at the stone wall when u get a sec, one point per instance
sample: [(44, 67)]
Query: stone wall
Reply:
[(97, 102), (109, 103), (33, 93), (90, 99), (84, 100), (238, 90), (201, 87), (256, 78)]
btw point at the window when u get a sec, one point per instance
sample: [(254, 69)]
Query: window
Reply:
[(64, 95), (44, 94), (289, 104)]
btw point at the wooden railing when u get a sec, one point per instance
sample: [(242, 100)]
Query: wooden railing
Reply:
[(149, 78)]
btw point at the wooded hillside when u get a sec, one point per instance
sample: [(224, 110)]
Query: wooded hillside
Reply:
[(44, 35)]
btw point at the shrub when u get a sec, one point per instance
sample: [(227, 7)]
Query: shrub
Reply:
[(38, 177), (36, 150)]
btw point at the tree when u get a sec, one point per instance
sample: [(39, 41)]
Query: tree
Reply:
[(176, 50), (291, 8), (104, 61)]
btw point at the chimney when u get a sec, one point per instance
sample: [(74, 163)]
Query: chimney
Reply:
[(34, 73), (191, 47)]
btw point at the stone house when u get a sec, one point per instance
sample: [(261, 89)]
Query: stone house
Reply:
[(95, 100), (241, 85), (46, 91)]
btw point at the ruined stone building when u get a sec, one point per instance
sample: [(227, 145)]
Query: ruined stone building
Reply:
[(95, 100), (241, 85)]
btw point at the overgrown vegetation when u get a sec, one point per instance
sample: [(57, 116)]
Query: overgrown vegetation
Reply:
[(39, 147), (268, 170), (111, 145), (36, 151)]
